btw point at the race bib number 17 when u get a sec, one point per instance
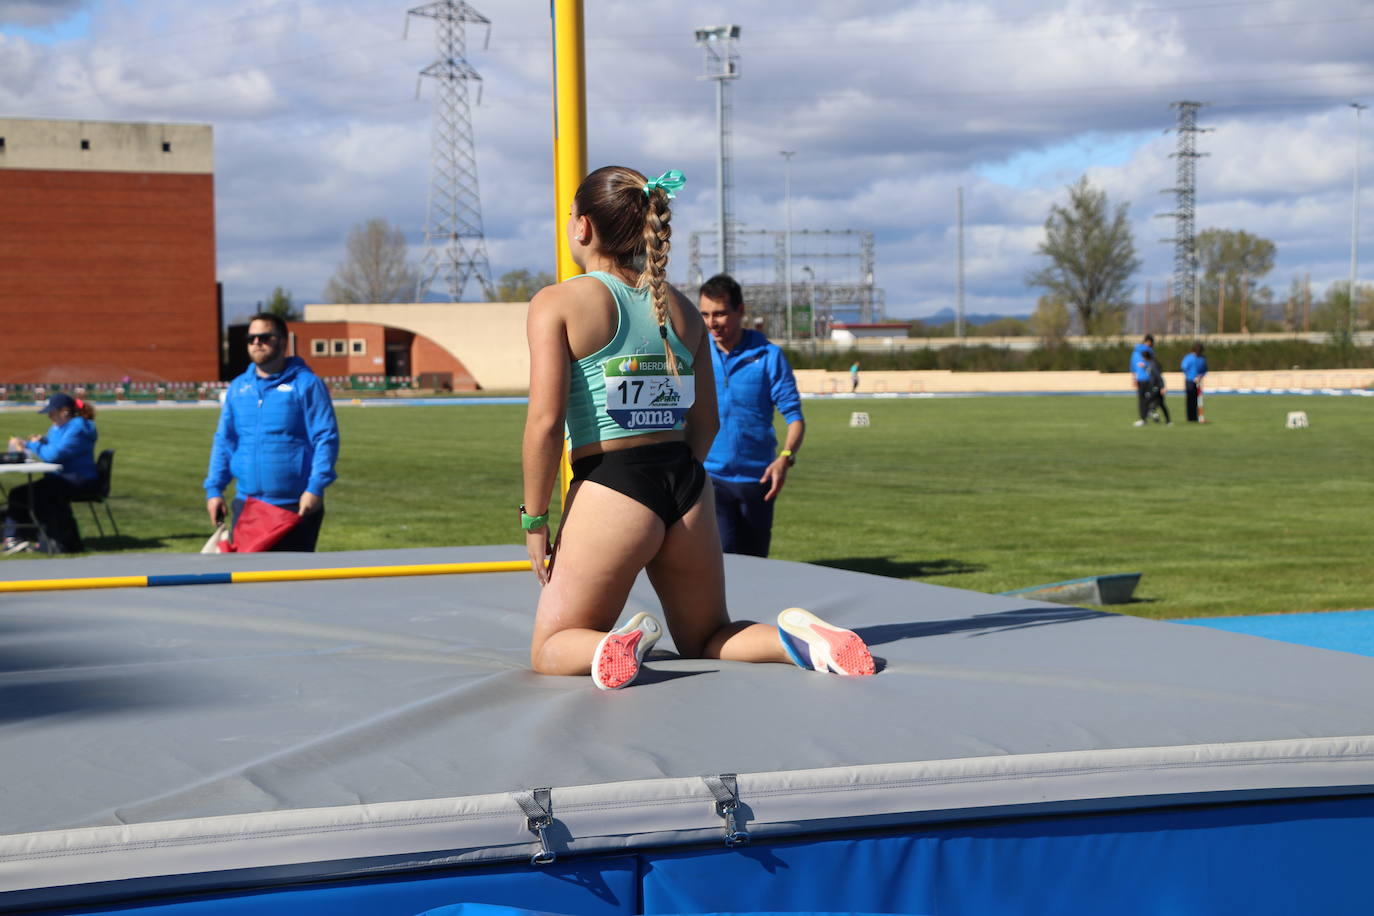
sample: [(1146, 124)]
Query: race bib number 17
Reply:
[(641, 393)]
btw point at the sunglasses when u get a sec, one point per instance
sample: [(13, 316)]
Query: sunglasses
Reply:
[(263, 338)]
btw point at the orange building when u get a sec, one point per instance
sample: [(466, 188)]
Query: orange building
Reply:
[(107, 252), (339, 349)]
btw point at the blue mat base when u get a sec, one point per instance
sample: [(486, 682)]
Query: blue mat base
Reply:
[(1344, 631)]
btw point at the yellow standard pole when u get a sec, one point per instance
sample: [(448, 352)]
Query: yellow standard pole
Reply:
[(569, 145)]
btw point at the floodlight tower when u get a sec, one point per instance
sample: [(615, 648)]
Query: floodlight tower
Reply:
[(1354, 224), (959, 265), (722, 65), (1185, 194), (455, 246)]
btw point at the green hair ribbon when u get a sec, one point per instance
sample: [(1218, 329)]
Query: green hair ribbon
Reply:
[(670, 181)]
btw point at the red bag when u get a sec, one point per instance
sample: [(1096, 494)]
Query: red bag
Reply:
[(260, 526)]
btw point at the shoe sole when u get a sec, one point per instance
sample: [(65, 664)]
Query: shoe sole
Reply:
[(832, 648), (621, 652), (21, 547)]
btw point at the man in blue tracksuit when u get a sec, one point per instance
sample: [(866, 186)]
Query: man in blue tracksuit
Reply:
[(1141, 357), (1194, 368), (753, 379), (277, 436)]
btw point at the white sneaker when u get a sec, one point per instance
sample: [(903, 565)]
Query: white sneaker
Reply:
[(1138, 423), (619, 654), (17, 546), (813, 644)]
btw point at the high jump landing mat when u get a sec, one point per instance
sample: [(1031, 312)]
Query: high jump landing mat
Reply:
[(379, 745)]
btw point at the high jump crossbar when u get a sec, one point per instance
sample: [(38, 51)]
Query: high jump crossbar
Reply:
[(266, 575)]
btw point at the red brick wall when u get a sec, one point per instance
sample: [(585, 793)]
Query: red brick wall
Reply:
[(107, 274), (305, 332)]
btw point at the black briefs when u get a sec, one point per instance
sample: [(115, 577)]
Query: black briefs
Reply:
[(663, 476)]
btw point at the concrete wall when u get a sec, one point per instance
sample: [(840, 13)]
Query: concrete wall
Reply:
[(112, 146), (488, 338), (818, 381)]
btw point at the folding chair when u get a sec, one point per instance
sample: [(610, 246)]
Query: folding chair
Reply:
[(101, 493)]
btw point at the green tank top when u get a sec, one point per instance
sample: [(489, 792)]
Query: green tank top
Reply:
[(625, 388)]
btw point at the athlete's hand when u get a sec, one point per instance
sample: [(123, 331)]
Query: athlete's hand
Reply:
[(537, 543), (775, 475)]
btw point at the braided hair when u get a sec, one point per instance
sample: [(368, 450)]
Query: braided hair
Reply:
[(632, 226)]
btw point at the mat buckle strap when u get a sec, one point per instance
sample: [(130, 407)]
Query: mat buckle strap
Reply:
[(537, 804), (726, 793)]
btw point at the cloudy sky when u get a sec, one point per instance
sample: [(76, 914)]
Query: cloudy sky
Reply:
[(890, 107)]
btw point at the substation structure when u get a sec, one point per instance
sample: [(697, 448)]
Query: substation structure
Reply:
[(831, 278)]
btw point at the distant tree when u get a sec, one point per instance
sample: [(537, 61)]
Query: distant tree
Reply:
[(1051, 320), (1295, 305), (919, 328), (521, 285), (1006, 326), (376, 267), (280, 303), (1233, 262), (1332, 314), (1091, 256)]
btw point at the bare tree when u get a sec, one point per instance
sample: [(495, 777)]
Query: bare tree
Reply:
[(375, 267), (1092, 258), (521, 285), (1233, 262)]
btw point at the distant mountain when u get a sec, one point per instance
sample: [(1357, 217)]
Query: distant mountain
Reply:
[(946, 316)]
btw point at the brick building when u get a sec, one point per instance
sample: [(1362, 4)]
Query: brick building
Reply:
[(107, 252)]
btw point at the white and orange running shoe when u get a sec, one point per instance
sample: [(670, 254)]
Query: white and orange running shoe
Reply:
[(620, 653), (819, 646)]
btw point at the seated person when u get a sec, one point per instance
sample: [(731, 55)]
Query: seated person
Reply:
[(70, 442)]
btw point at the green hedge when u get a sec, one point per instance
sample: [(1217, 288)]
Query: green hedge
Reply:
[(1270, 354)]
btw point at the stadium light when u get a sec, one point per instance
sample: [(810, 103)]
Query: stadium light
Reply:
[(1354, 223), (787, 155)]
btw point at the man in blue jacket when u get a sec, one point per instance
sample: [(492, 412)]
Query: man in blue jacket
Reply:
[(277, 436), (1140, 371), (753, 379), (1194, 368)]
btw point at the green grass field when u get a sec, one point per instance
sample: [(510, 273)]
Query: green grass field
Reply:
[(1239, 516)]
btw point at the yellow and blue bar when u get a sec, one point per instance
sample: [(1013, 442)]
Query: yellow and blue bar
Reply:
[(265, 575)]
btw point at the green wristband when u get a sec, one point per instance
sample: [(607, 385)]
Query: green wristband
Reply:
[(533, 522)]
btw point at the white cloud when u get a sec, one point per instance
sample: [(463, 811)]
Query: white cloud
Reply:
[(889, 105)]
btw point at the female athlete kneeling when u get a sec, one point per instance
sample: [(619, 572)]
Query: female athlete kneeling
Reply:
[(612, 357)]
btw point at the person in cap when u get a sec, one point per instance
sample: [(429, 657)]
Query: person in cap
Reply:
[(1194, 368), (277, 438), (1140, 374), (70, 442)]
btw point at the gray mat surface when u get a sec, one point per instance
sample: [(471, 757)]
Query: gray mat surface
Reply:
[(149, 704)]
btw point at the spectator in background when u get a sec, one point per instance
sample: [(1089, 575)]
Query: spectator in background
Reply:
[(1194, 368), (854, 377), (277, 436), (753, 378), (1157, 389), (70, 442), (1140, 372)]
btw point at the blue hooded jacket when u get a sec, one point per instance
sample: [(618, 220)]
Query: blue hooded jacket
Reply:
[(71, 445), (1194, 367), (1140, 364), (277, 436), (751, 380)]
